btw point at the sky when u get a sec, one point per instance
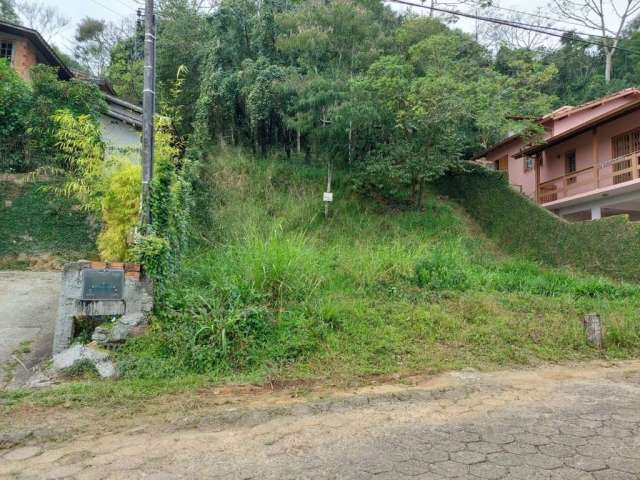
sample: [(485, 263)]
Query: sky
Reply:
[(76, 10), (119, 10)]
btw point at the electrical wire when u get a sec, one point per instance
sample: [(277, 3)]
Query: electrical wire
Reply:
[(508, 23)]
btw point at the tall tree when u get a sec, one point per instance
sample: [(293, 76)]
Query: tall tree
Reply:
[(95, 39), (48, 20), (608, 17), (8, 11)]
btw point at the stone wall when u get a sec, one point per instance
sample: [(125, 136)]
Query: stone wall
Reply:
[(137, 297)]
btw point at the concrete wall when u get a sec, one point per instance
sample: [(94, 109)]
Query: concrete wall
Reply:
[(120, 138)]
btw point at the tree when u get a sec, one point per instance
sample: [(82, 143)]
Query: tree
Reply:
[(608, 17), (46, 19), (499, 35), (8, 11), (95, 39)]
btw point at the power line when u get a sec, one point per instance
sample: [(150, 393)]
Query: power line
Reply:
[(108, 8), (508, 23), (536, 15)]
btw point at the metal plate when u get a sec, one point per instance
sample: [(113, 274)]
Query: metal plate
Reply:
[(102, 284)]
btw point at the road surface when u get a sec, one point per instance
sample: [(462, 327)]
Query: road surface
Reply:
[(564, 422), (28, 308)]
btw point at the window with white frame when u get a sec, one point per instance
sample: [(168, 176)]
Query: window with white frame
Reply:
[(6, 50)]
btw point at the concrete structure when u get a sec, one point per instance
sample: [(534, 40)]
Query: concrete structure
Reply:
[(121, 125), (136, 297), (588, 164)]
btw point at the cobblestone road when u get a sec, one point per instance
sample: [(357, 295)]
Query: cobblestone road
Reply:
[(553, 423)]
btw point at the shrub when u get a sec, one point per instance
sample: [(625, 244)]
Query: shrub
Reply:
[(120, 210), (442, 270), (15, 104), (610, 246)]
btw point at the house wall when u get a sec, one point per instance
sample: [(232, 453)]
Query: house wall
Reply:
[(521, 180), (554, 164), (24, 54), (578, 118), (120, 139), (554, 161)]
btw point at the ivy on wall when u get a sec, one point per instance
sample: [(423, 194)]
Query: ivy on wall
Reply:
[(610, 246)]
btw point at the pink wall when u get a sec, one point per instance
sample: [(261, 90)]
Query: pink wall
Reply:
[(517, 176), (605, 132), (571, 121), (554, 164)]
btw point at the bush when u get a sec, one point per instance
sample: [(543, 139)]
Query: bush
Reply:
[(120, 212), (610, 246), (442, 271), (15, 105), (27, 115)]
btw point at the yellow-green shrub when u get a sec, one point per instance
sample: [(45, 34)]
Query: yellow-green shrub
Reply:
[(120, 206)]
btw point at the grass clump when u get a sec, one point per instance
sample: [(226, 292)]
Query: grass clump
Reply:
[(276, 290)]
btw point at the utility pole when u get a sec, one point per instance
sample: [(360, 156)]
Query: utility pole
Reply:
[(148, 109)]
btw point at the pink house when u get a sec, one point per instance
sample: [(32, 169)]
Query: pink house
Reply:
[(588, 165)]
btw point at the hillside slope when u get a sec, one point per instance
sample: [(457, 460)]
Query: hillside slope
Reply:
[(39, 229), (275, 291)]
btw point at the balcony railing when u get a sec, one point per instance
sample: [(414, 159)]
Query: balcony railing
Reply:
[(608, 173)]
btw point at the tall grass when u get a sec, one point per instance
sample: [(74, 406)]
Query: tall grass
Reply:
[(275, 289)]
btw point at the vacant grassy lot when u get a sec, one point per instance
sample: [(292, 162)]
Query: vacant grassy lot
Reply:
[(274, 292), (37, 223)]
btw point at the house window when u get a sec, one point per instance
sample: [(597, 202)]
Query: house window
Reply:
[(625, 144), (529, 163), (6, 50), (570, 162)]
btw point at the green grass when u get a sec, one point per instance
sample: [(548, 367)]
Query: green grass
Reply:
[(273, 291), (36, 222), (281, 292)]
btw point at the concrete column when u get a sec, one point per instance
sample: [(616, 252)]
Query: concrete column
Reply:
[(596, 213)]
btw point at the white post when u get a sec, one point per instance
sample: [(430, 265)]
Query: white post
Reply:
[(596, 213)]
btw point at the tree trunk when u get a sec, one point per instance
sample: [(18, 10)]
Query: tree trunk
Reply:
[(608, 65), (298, 135)]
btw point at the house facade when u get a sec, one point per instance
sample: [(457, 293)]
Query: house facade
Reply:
[(588, 164), (24, 47), (121, 122)]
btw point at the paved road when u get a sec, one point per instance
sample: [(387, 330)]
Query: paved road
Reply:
[(28, 307), (553, 423)]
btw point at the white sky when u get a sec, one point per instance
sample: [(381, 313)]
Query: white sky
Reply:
[(119, 10), (76, 10)]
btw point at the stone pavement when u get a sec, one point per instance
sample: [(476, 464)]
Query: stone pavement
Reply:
[(554, 423)]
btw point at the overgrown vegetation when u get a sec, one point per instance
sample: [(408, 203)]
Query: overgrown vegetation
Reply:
[(35, 222), (276, 291), (28, 109), (610, 246)]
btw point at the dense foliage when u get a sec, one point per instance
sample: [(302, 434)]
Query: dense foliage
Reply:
[(27, 120), (610, 246)]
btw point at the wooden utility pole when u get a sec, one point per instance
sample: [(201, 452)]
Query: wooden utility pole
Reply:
[(148, 109)]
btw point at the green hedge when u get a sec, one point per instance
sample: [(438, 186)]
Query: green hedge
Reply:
[(609, 246)]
